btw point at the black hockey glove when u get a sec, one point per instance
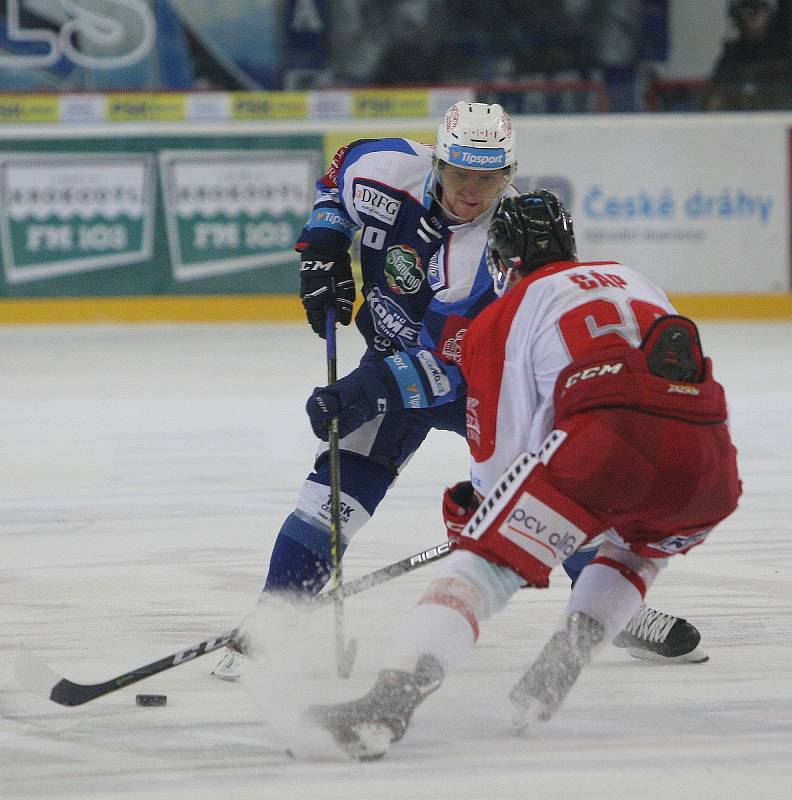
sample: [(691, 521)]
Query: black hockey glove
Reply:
[(459, 505), (354, 399), (326, 280)]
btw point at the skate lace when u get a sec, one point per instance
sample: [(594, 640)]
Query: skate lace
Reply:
[(651, 625)]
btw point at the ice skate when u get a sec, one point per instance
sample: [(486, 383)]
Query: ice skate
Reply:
[(229, 668), (654, 636), (272, 611), (540, 692), (365, 728)]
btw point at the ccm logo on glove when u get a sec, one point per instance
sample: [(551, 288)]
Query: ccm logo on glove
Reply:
[(313, 266)]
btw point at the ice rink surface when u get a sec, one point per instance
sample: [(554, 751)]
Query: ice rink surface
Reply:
[(145, 472)]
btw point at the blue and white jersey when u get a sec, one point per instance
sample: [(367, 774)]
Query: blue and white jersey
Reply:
[(424, 278)]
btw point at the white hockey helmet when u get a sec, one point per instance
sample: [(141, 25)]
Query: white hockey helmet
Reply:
[(476, 136)]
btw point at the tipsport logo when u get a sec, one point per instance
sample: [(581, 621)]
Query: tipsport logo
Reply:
[(328, 218), (477, 157)]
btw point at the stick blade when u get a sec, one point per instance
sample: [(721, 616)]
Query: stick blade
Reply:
[(35, 676), (346, 658)]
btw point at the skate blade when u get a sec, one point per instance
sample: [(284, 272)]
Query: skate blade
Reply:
[(230, 674), (225, 676), (695, 656)]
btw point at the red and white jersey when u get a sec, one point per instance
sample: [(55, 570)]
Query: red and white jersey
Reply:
[(515, 349)]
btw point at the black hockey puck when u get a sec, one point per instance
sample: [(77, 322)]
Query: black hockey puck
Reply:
[(151, 699)]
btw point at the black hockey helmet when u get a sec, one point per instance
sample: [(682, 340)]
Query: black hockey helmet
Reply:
[(527, 232)]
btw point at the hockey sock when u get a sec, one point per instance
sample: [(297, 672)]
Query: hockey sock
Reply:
[(612, 589), (301, 559), (436, 629), (574, 565), (295, 567), (446, 620)]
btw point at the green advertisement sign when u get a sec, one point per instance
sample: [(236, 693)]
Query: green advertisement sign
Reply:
[(154, 215), (228, 211), (65, 215)]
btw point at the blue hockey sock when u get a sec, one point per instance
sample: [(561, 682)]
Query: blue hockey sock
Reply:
[(573, 566), (294, 566), (301, 559)]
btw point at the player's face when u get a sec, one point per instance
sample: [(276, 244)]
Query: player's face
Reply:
[(470, 192)]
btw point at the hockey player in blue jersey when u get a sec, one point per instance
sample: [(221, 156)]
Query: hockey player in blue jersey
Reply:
[(423, 215)]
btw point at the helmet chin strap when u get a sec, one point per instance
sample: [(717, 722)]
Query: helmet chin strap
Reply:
[(502, 281)]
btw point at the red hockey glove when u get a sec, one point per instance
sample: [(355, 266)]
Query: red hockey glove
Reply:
[(459, 505)]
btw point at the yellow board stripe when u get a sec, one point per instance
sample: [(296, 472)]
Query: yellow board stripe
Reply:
[(734, 306), (203, 308), (276, 308)]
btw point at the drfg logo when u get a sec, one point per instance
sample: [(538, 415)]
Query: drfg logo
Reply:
[(377, 204)]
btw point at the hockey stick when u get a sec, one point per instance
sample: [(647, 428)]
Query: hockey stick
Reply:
[(345, 654), (37, 677)]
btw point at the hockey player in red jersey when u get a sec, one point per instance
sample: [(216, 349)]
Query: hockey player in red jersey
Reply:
[(591, 412)]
